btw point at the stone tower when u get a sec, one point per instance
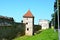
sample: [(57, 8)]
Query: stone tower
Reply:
[(28, 19)]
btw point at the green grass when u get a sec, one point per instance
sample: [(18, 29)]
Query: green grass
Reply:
[(47, 34)]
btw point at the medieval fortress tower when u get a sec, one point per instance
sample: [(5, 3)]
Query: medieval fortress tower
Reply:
[(28, 19)]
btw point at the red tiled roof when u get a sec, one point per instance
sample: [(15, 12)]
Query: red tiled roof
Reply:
[(28, 14)]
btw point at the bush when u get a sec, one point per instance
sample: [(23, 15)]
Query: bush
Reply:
[(36, 28)]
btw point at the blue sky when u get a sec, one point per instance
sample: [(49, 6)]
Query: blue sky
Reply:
[(41, 9)]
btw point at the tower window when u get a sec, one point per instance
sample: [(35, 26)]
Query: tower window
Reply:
[(26, 23), (27, 29)]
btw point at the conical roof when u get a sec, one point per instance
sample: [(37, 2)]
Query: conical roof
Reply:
[(28, 14)]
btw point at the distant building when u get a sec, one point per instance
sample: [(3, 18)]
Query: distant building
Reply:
[(44, 24), (28, 19)]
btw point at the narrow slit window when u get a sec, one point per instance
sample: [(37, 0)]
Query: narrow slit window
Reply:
[(27, 29), (26, 23)]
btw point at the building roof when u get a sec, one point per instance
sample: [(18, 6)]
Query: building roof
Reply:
[(28, 14)]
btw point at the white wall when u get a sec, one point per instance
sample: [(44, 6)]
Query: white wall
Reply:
[(29, 25), (44, 24)]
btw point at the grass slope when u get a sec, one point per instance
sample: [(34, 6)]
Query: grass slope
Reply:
[(48, 34)]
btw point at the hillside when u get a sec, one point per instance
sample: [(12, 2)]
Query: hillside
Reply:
[(48, 34)]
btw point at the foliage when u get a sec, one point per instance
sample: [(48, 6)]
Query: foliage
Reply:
[(55, 15), (55, 20), (36, 28)]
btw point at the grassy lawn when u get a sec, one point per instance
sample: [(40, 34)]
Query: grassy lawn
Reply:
[(47, 34)]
